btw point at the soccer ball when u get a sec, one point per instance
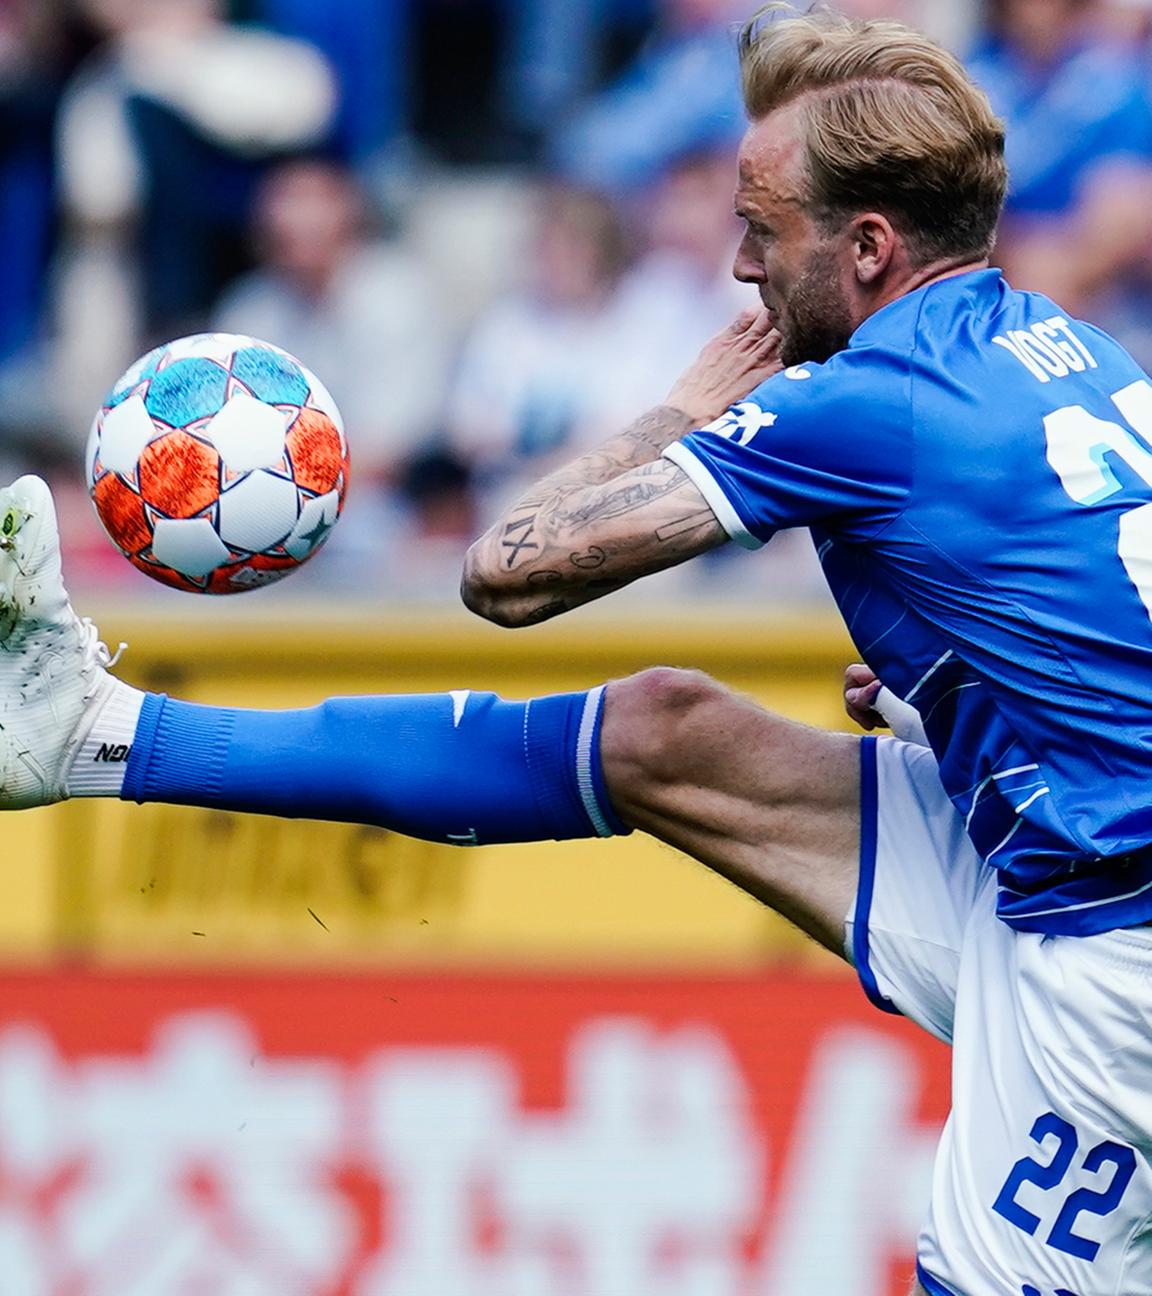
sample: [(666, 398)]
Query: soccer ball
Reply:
[(217, 464)]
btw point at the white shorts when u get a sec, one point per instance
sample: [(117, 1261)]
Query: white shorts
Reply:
[(1042, 1184)]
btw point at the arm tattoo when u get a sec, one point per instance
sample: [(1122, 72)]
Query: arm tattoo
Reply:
[(518, 537), (681, 526), (625, 499), (642, 442), (616, 513), (590, 559), (547, 610)]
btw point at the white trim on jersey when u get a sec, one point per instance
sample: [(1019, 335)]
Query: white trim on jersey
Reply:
[(714, 496), (928, 674), (978, 791)]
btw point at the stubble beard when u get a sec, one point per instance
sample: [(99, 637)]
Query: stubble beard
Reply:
[(816, 322)]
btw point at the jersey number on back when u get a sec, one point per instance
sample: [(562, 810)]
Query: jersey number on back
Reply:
[(1079, 444)]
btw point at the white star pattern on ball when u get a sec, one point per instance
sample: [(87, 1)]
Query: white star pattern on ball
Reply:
[(125, 432), (249, 434), (321, 399), (317, 518), (258, 512), (208, 346), (189, 546)]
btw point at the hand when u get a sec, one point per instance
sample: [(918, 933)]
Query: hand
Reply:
[(861, 686), (731, 364)]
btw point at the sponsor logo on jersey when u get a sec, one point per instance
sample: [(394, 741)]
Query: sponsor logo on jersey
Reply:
[(742, 422)]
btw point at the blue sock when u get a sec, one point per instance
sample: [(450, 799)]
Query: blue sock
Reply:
[(460, 767)]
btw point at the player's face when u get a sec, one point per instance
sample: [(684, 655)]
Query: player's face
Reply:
[(799, 269)]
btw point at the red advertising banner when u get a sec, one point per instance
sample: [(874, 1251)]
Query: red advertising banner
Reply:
[(459, 1136)]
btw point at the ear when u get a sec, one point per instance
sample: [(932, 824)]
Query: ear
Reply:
[(874, 241)]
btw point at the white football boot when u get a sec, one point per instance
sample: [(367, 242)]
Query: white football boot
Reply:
[(53, 682)]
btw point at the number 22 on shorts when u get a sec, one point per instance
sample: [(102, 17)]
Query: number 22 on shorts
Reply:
[(1117, 1158)]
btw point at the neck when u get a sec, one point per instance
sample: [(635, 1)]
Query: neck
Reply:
[(919, 277)]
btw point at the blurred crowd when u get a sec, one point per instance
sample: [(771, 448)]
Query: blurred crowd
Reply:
[(497, 229)]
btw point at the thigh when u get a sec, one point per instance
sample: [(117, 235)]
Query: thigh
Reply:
[(772, 805)]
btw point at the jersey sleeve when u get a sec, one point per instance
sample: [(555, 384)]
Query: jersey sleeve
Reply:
[(828, 445)]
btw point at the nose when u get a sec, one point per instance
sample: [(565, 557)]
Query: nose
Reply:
[(747, 267)]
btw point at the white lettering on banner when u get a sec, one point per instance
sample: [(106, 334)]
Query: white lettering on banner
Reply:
[(204, 1166), (655, 1144), (835, 1232), (213, 1155), (36, 1142), (439, 1126)]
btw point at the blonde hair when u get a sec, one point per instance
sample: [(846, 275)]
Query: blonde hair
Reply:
[(891, 122)]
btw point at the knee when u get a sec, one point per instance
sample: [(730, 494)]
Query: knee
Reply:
[(647, 735)]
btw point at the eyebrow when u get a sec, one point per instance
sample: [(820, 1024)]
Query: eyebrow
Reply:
[(750, 218)]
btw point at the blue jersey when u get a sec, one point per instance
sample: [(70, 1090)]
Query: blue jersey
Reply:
[(977, 473)]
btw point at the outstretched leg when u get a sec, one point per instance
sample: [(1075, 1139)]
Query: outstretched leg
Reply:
[(461, 767), (771, 805)]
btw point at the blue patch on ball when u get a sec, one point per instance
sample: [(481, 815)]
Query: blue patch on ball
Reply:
[(270, 376), (143, 370), (187, 391)]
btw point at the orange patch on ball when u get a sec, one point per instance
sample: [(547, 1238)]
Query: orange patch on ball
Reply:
[(260, 569), (179, 475), (317, 456), (122, 512)]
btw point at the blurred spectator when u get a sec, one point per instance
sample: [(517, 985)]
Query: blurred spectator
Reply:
[(355, 308), (1128, 20), (681, 94), (492, 77), (1076, 102), (368, 45), (166, 131), (34, 60), (31, 74), (555, 54), (681, 290), (544, 372)]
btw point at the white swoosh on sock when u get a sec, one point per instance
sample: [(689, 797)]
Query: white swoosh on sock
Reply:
[(459, 702)]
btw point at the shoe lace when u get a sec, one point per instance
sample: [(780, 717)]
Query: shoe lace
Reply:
[(95, 649)]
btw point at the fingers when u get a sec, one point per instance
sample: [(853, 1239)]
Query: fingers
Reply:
[(744, 321), (857, 675), (861, 686), (752, 322), (761, 323)]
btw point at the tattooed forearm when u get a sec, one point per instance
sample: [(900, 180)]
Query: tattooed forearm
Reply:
[(642, 442), (619, 512), (517, 539), (615, 502), (684, 525), (590, 559), (545, 611), (659, 427)]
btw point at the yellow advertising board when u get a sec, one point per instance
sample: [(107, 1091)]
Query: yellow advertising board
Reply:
[(117, 883)]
